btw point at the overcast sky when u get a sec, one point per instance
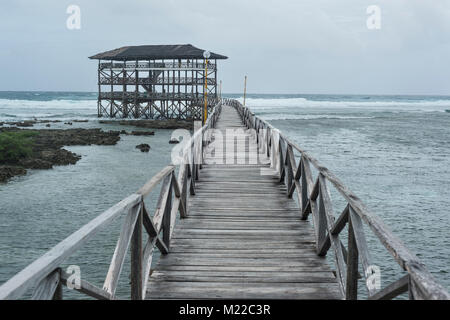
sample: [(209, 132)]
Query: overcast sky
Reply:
[(284, 46)]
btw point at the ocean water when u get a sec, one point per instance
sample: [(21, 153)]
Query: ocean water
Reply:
[(392, 151)]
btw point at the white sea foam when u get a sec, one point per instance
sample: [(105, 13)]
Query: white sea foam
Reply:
[(57, 109), (369, 105), (51, 104), (271, 108), (284, 116)]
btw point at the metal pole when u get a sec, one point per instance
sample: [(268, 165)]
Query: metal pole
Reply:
[(245, 89), (205, 111)]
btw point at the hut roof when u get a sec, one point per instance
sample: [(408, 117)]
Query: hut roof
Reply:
[(154, 52)]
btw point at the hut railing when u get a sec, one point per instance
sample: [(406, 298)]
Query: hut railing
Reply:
[(119, 80), (314, 199), (145, 65), (45, 274), (197, 98)]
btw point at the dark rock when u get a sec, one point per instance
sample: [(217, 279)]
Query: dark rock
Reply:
[(29, 123), (69, 123), (7, 172), (59, 157), (23, 123), (36, 163), (47, 121), (48, 125), (142, 133), (123, 132), (143, 147), (174, 141), (80, 120), (50, 139)]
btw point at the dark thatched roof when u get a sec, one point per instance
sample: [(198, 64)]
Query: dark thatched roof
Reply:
[(154, 52)]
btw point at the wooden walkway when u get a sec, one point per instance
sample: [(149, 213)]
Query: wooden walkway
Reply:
[(243, 238)]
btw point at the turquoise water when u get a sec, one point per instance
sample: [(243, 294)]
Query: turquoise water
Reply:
[(392, 151)]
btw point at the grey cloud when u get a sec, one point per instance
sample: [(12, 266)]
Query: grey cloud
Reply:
[(284, 46)]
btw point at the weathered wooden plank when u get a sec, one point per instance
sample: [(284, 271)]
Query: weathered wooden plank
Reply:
[(227, 224), (307, 254), (167, 219), (147, 258), (136, 271), (118, 259), (361, 243), (230, 277), (392, 290), (87, 288), (47, 287), (277, 269), (220, 290), (242, 261), (325, 202), (341, 221), (351, 291), (153, 231), (224, 249), (242, 232), (235, 244), (232, 218)]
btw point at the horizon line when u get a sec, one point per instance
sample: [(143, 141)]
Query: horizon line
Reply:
[(234, 93)]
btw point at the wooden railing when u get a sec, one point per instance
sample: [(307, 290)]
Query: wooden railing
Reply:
[(145, 65), (45, 275), (156, 81), (314, 199)]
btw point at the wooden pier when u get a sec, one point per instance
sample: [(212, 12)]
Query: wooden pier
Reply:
[(243, 238), (232, 222)]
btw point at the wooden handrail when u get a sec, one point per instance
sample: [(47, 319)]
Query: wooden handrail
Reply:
[(45, 275), (314, 199)]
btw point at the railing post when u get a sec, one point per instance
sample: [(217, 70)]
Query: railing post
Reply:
[(281, 160), (167, 218), (59, 289), (320, 220), (306, 182), (351, 292), (184, 190), (290, 172), (136, 258), (202, 144), (196, 158)]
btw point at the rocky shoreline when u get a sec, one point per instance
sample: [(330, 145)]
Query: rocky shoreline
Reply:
[(47, 148), (47, 144), (31, 123), (139, 123)]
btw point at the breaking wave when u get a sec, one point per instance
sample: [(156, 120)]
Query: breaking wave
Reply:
[(365, 104)]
